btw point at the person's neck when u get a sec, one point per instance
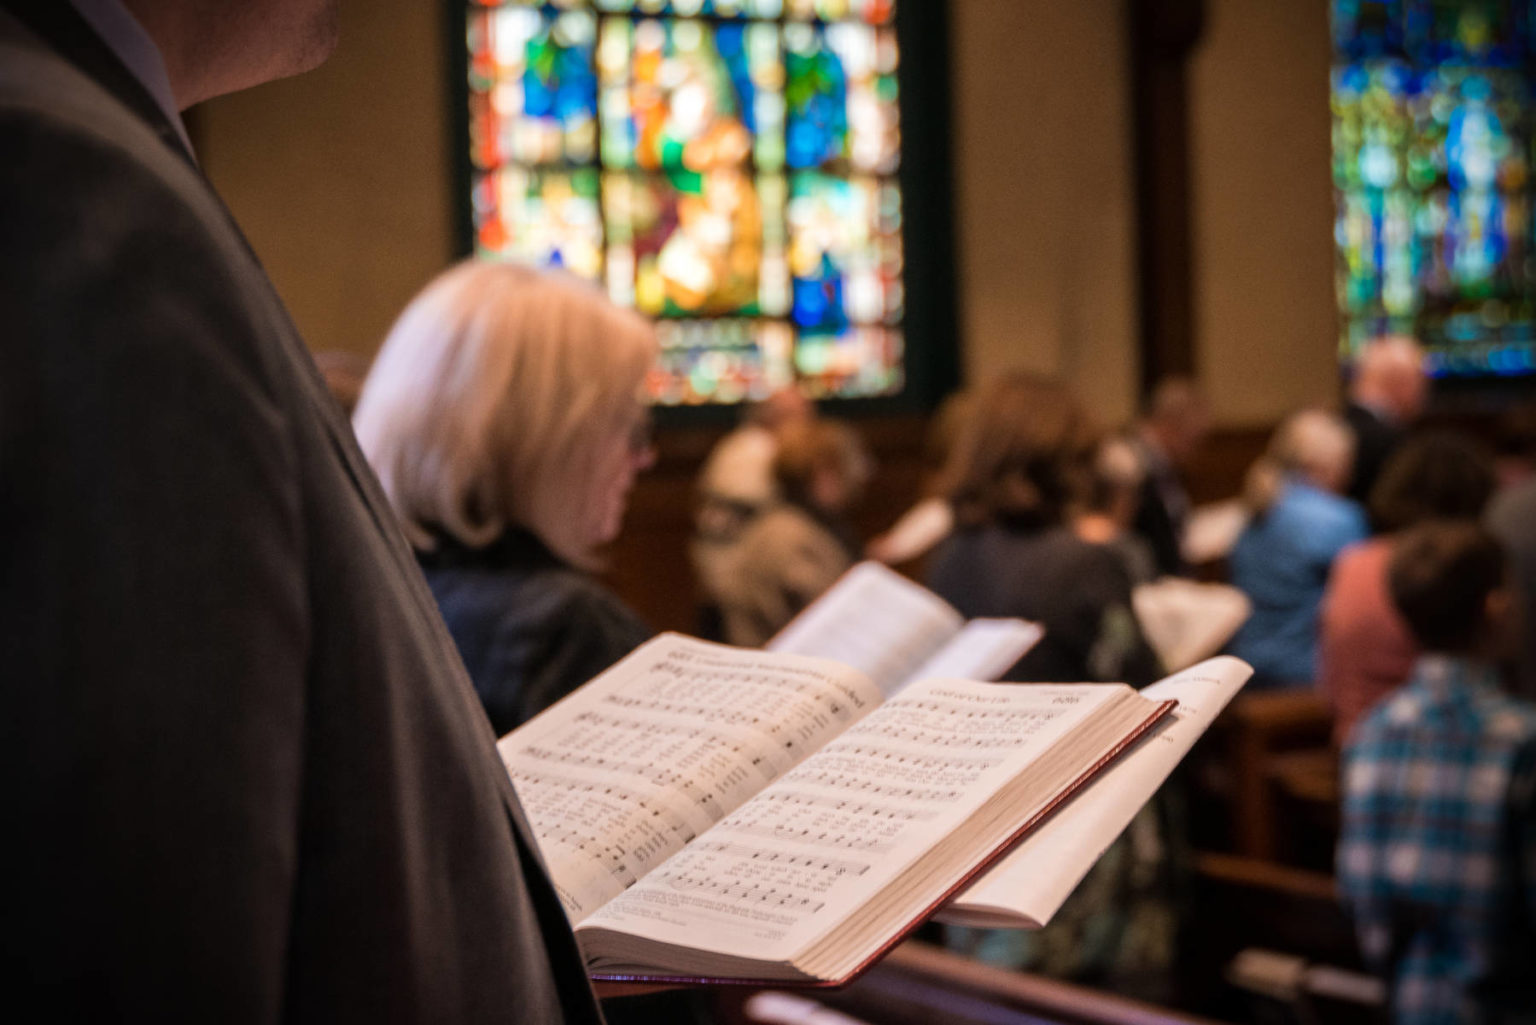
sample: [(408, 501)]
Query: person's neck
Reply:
[(137, 49), (185, 57)]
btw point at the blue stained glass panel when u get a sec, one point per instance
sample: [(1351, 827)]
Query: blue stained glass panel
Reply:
[(1432, 137), (533, 92)]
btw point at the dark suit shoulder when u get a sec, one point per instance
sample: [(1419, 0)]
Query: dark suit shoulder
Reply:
[(110, 224)]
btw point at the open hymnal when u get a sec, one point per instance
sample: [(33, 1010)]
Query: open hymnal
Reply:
[(715, 813), (894, 631), (1029, 884)]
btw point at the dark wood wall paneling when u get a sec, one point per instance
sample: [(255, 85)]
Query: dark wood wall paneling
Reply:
[(1163, 34)]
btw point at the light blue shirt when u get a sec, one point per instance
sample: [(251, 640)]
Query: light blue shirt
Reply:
[(126, 38), (1281, 561)]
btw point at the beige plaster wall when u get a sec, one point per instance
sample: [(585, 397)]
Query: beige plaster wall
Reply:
[(341, 177), (1044, 217), (1263, 209)]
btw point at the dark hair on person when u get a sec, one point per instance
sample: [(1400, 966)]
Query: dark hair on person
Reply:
[(1514, 436), (1440, 576), (1022, 456), (1437, 475)]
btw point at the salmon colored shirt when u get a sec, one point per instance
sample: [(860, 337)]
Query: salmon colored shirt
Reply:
[(1365, 649)]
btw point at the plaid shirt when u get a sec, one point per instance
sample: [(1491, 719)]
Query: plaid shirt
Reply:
[(1437, 852)]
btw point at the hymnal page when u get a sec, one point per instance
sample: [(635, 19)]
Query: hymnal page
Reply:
[(1213, 530), (632, 766), (1186, 622), (823, 842), (984, 650), (919, 529), (875, 620), (1030, 883)]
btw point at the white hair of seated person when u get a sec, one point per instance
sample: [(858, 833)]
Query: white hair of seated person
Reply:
[(1389, 378), (1314, 445), (506, 396)]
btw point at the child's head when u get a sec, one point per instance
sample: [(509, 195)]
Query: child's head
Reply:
[(1447, 579)]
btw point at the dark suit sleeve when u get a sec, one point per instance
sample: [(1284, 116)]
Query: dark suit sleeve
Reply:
[(153, 613)]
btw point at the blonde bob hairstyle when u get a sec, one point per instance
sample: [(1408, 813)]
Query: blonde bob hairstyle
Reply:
[(493, 400)]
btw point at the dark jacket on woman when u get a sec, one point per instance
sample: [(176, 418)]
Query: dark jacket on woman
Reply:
[(1079, 592), (530, 627), (1120, 927)]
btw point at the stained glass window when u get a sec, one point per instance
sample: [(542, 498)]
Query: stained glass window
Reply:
[(1432, 147), (728, 167)]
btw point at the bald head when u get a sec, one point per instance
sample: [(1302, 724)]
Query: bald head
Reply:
[(213, 47), (1389, 378)]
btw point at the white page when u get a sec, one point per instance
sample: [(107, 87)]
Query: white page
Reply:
[(625, 771), (984, 650), (831, 835), (1034, 878), (875, 620), (1212, 530), (1186, 622), (919, 529)]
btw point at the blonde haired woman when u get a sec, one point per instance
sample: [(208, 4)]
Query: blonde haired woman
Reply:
[(503, 417), (1300, 522)]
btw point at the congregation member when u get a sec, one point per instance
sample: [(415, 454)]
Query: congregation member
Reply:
[(1299, 522), (1109, 509), (1366, 650), (245, 776), (791, 552), (735, 485), (1386, 395), (504, 419), (1019, 467), (1437, 850), (1171, 430)]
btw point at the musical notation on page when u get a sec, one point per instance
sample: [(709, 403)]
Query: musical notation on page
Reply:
[(664, 751)]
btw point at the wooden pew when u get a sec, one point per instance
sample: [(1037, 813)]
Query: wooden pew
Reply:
[(920, 984), (1247, 906), (1261, 736)]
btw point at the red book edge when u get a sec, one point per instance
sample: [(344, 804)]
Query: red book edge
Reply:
[(1163, 709)]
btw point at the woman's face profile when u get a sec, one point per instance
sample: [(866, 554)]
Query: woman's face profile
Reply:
[(626, 451)]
